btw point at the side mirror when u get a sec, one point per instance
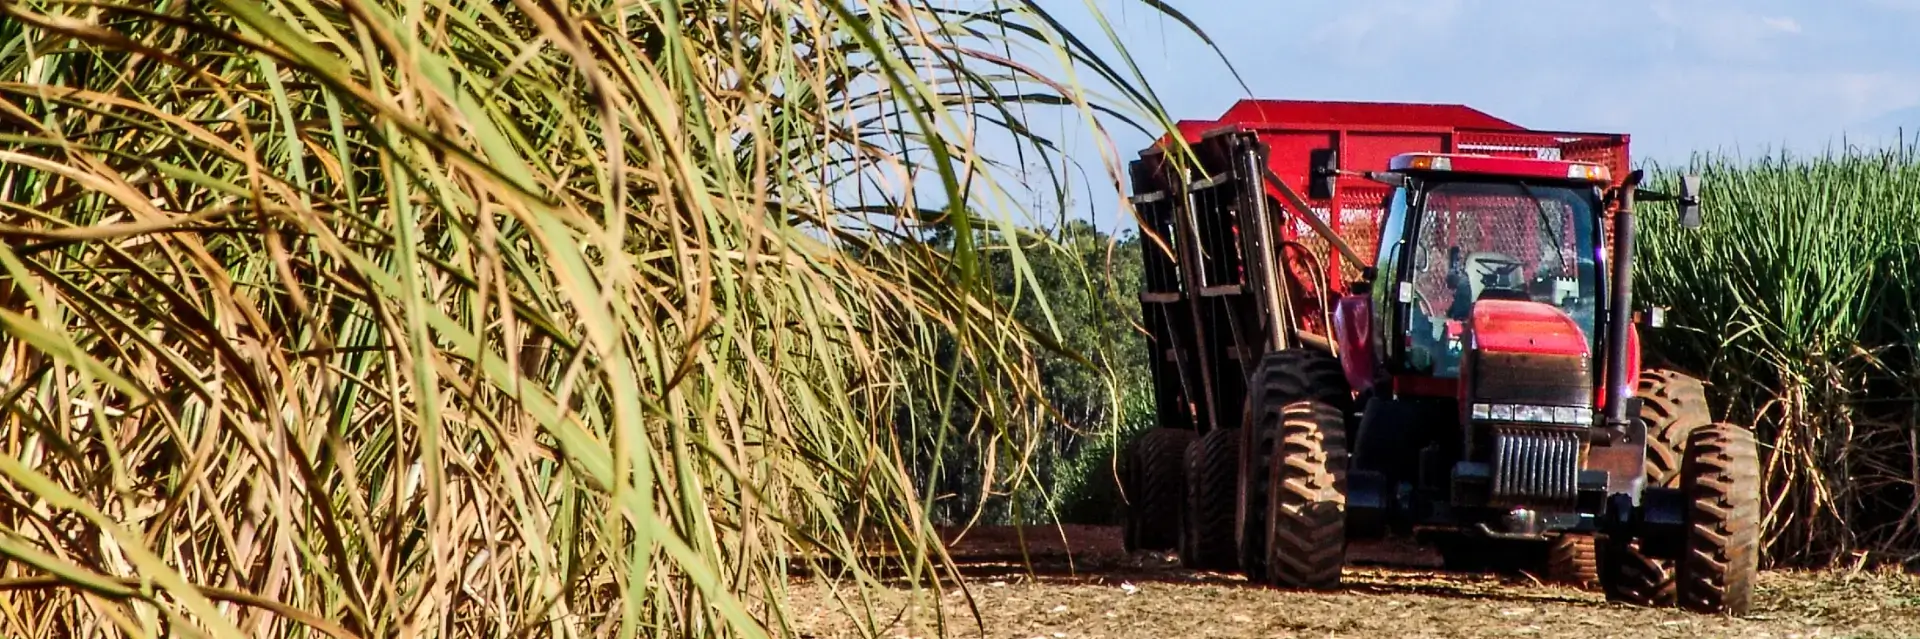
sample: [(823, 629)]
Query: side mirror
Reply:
[(1325, 172), (1689, 201)]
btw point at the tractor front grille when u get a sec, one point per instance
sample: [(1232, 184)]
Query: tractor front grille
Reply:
[(1536, 468)]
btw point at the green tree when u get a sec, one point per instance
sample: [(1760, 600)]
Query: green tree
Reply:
[(1093, 386)]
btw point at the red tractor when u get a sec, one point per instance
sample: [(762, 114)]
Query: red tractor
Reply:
[(1415, 321)]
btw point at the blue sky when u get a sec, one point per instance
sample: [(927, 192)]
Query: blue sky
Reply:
[(1677, 75)]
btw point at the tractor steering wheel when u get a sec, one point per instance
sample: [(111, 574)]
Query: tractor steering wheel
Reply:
[(1491, 267)]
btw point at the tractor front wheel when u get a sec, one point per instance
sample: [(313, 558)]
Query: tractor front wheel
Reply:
[(1631, 577), (1672, 406), (1720, 475), (1307, 516), (1282, 378)]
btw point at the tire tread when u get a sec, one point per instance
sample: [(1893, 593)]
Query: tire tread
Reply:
[(1160, 472), (1212, 481), (1720, 475), (1573, 559), (1307, 537), (1672, 404)]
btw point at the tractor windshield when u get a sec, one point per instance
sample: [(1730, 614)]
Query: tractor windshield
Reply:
[(1498, 239)]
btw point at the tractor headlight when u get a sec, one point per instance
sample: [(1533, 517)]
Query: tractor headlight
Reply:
[(1571, 415), (1533, 414), (1526, 413)]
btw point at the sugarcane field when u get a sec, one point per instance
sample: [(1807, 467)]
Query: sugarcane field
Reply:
[(1130, 319)]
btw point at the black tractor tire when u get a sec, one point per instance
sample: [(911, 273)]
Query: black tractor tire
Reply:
[(1631, 577), (1213, 485), (1305, 373), (1282, 378), (1158, 490), (1720, 475), (1573, 559), (1672, 405), (1307, 538)]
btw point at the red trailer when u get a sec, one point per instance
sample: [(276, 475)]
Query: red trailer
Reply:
[(1374, 319)]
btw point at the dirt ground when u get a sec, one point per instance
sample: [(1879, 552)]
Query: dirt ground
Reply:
[(1089, 587)]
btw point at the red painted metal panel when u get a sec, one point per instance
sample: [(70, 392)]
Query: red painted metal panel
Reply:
[(1510, 326), (1353, 331), (1423, 386), (1633, 367), (1375, 149), (1308, 113)]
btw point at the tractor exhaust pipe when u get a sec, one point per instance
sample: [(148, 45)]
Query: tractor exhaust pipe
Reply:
[(1620, 314)]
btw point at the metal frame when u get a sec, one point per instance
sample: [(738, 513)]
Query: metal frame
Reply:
[(1219, 303), (1217, 296)]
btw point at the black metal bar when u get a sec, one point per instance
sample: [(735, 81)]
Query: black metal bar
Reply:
[(1193, 269), (1620, 315), (1164, 301), (1305, 211), (1262, 247)]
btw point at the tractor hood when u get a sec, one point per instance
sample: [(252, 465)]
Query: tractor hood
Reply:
[(1512, 326), (1525, 353)]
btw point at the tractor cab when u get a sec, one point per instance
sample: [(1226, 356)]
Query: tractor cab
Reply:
[(1460, 230)]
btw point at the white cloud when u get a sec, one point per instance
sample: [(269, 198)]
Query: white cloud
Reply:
[(1375, 33), (1703, 107), (1723, 30), (1866, 93)]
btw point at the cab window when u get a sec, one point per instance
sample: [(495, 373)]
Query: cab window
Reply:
[(1392, 231)]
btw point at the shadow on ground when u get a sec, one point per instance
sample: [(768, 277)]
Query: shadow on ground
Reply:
[(1074, 555)]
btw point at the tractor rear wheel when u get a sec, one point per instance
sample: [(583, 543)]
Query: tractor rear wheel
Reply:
[(1307, 535), (1630, 576), (1720, 475), (1206, 532), (1158, 477), (1283, 377), (1672, 405)]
